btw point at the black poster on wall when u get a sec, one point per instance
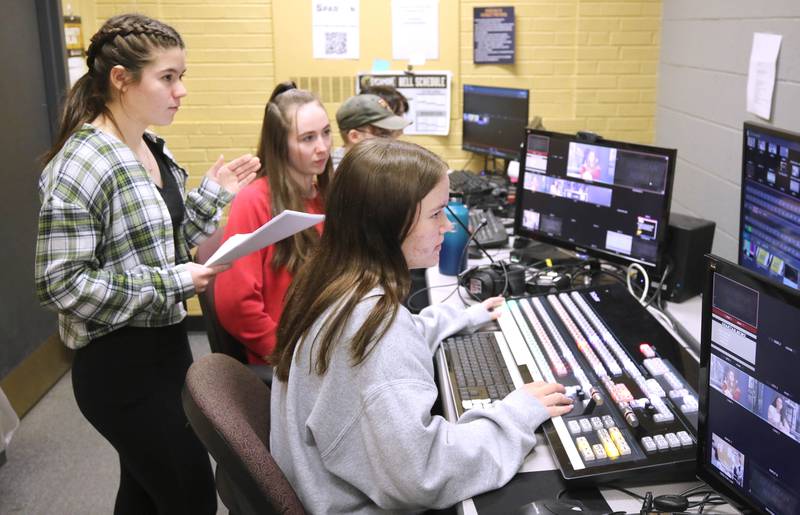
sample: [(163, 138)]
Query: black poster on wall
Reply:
[(493, 35)]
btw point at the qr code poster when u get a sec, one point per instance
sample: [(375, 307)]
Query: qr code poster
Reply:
[(335, 28)]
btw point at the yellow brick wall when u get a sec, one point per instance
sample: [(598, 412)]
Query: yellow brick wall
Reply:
[(590, 65)]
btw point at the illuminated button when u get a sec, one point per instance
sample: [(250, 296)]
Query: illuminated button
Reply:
[(619, 441), (467, 405), (608, 444), (586, 426), (599, 451), (646, 350), (672, 440), (574, 427), (596, 423), (661, 442), (622, 393), (685, 439), (648, 444), (583, 446), (608, 421)]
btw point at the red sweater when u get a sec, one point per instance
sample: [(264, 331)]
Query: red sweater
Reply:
[(249, 296)]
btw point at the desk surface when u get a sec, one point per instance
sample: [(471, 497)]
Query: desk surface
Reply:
[(688, 314)]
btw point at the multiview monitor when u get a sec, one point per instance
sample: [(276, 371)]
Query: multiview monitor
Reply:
[(749, 388), (494, 120), (608, 199), (769, 219)]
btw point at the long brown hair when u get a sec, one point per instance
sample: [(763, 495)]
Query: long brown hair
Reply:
[(280, 115), (372, 205), (127, 40)]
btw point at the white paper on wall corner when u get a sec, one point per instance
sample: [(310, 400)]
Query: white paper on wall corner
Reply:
[(762, 72)]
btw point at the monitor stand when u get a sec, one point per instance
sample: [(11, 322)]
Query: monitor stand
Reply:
[(535, 252)]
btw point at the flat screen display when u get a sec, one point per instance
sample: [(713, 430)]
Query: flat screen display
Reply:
[(769, 220), (494, 120), (749, 388), (606, 198)]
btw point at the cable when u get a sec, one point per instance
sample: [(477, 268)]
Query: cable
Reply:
[(408, 302), (638, 268)]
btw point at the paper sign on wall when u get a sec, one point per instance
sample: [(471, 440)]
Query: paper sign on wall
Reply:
[(761, 74), (335, 29), (428, 95)]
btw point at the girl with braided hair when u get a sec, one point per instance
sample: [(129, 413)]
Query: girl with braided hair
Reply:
[(112, 257)]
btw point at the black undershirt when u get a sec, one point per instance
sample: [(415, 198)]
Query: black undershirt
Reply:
[(169, 191)]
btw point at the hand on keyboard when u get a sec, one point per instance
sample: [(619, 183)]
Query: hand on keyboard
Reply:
[(491, 304), (551, 395)]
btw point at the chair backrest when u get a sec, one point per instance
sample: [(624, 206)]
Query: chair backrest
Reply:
[(219, 339), (228, 408)]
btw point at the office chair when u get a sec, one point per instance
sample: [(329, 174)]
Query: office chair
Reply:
[(219, 339), (228, 408)]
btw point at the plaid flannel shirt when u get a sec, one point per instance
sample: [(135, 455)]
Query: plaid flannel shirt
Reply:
[(105, 252)]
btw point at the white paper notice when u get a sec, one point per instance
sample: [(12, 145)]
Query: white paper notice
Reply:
[(415, 30), (282, 226), (428, 94), (761, 75), (335, 29)]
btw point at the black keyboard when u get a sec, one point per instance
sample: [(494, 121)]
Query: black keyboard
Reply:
[(469, 183), (491, 234), (477, 370)]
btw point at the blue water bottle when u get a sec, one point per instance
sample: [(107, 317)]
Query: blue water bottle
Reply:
[(453, 257)]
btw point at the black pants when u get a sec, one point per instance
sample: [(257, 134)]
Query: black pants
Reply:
[(128, 385)]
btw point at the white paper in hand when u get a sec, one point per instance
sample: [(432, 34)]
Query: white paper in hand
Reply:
[(282, 226)]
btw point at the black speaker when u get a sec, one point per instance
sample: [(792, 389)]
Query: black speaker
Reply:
[(688, 240)]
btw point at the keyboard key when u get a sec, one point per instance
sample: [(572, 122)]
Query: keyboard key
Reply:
[(599, 451), (648, 444), (586, 450), (672, 440), (608, 421), (661, 442), (586, 426), (685, 439), (574, 427)]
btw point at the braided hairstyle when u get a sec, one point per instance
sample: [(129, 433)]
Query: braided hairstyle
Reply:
[(127, 40)]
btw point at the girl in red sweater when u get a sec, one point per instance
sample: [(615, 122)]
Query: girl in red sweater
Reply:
[(294, 149)]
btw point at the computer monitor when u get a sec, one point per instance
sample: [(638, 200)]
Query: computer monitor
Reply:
[(604, 198), (494, 120), (769, 218), (749, 389)]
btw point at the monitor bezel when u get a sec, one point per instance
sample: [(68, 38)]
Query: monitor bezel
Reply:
[(507, 156), (714, 264), (671, 153), (772, 131)]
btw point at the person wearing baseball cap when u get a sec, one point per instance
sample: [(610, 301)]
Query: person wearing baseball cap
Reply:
[(363, 117)]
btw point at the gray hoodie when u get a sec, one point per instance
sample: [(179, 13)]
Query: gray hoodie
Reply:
[(362, 439)]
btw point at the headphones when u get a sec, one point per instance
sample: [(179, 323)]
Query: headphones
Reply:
[(494, 280)]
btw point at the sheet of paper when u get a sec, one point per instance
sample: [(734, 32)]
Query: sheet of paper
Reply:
[(282, 226), (415, 30), (761, 75), (335, 29)]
